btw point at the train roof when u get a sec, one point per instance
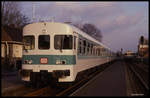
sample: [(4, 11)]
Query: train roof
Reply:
[(75, 29), (88, 36)]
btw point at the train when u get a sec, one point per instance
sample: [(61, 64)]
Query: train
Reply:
[(130, 54), (61, 51)]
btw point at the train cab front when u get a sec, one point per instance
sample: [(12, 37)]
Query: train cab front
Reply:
[(57, 66), (49, 50), (28, 75)]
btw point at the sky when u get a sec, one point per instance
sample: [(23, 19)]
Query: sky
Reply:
[(121, 23)]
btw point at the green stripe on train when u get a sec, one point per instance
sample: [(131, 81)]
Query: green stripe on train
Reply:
[(70, 59)]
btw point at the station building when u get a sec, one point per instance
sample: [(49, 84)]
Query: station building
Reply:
[(143, 48), (11, 47)]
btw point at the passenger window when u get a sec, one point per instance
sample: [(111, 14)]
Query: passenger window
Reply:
[(63, 42), (88, 47), (96, 52), (93, 51), (80, 46), (84, 46), (99, 52), (29, 42), (74, 42), (44, 42), (91, 48)]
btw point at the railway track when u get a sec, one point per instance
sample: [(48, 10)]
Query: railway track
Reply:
[(58, 90), (142, 66), (65, 91), (16, 91), (143, 74), (138, 79)]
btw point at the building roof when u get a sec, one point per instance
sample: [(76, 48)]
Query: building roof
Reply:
[(5, 36), (11, 34)]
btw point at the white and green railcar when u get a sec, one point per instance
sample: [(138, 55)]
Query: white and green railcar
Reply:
[(60, 49)]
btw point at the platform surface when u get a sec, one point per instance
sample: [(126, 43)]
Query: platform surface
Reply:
[(111, 82)]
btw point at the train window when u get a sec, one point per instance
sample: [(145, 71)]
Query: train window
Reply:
[(99, 52), (29, 42), (80, 46), (74, 42), (84, 46), (91, 48), (63, 41), (44, 42), (102, 51), (96, 51), (93, 51), (88, 47)]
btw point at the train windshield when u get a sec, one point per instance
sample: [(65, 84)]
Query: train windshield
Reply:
[(63, 42), (44, 42), (29, 42)]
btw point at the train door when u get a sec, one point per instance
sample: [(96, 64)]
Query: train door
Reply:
[(75, 44)]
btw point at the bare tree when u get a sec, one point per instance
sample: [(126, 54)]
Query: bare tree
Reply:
[(90, 29), (11, 14)]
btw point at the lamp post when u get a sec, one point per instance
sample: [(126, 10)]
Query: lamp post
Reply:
[(142, 54), (142, 43)]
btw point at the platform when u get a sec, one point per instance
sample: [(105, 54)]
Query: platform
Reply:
[(111, 82)]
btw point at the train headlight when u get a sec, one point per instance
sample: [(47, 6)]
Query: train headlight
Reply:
[(25, 61), (28, 62), (60, 62)]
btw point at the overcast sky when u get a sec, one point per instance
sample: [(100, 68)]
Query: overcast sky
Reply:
[(121, 23)]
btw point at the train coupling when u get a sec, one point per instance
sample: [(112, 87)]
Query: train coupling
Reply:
[(60, 73)]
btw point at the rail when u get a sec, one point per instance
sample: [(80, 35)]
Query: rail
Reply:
[(140, 76), (58, 91), (55, 90)]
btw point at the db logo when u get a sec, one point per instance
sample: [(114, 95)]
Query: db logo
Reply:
[(43, 60)]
